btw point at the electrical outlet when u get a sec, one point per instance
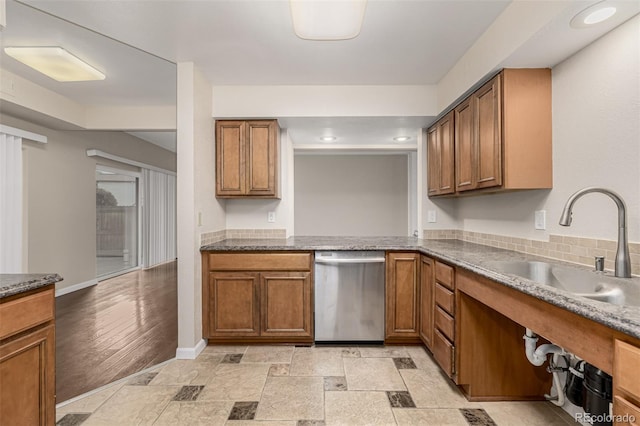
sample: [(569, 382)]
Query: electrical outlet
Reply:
[(271, 217), (431, 216), (540, 219)]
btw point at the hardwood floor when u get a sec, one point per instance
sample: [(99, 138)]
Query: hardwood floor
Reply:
[(114, 329)]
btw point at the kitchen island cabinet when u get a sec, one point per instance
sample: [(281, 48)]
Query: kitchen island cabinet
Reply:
[(27, 349), (257, 297)]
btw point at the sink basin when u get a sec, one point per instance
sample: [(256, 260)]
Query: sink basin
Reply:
[(583, 283)]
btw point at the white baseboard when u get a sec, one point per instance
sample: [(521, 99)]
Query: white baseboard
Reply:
[(76, 287), (191, 353)]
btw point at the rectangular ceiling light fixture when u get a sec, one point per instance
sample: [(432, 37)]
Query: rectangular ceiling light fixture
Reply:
[(55, 62), (327, 19)]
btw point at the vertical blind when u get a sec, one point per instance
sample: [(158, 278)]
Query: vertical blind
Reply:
[(159, 217), (10, 204)]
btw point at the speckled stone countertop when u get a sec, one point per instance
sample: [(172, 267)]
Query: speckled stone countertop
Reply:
[(11, 284), (473, 257)]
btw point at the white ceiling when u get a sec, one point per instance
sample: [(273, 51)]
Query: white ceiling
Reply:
[(251, 42)]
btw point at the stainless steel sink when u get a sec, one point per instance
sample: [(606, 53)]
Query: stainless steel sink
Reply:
[(595, 286)]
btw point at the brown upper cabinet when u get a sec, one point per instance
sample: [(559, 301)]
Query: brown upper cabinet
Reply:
[(440, 157), (247, 158), (501, 137)]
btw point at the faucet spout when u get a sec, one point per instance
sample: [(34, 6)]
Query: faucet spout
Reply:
[(623, 260)]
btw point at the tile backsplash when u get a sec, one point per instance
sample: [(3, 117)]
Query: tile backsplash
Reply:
[(561, 247), (212, 237)]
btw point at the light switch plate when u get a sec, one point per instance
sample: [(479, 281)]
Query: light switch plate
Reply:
[(431, 216), (540, 221)]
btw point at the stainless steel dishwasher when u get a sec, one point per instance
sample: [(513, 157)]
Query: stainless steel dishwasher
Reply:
[(349, 296)]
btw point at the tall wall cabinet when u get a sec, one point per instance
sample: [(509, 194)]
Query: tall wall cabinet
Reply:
[(247, 158), (500, 134)]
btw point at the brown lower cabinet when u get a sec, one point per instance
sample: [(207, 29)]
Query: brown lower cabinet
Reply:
[(626, 384), (402, 298), (27, 359), (258, 297), (427, 284)]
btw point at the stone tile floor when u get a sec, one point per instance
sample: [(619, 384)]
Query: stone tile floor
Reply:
[(287, 385)]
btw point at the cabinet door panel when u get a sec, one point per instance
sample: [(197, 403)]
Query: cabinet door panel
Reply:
[(261, 158), (443, 352), (27, 379), (626, 359), (445, 143), (433, 161), (487, 113), (426, 300), (234, 309), (230, 158), (402, 295), (286, 304), (464, 147)]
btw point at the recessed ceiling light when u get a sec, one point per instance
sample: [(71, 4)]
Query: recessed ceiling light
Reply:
[(328, 138), (55, 62), (327, 19), (592, 15), (401, 138)]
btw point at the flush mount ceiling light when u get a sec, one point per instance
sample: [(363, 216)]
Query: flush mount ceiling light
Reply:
[(592, 15), (55, 62), (327, 19), (328, 138), (401, 138)]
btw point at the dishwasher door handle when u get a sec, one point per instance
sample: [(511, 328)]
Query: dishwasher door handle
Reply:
[(328, 261)]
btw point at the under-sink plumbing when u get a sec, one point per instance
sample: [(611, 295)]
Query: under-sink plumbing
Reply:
[(538, 356)]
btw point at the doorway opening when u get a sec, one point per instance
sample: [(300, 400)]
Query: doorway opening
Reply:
[(117, 222)]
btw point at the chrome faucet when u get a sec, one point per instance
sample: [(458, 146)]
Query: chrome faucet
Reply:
[(623, 260)]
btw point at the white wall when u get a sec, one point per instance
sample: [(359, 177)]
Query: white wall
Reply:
[(596, 142), (361, 195), (252, 213), (196, 197), (324, 101)]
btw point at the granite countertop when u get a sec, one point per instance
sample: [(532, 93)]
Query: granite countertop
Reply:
[(11, 284), (473, 257)]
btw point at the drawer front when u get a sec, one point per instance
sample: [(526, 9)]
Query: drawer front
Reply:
[(625, 412), (444, 298), (443, 352), (626, 359), (445, 323), (260, 261), (26, 312), (444, 275)]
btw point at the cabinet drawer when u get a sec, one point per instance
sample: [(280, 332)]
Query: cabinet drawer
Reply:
[(627, 412), (445, 323), (626, 360), (25, 312), (259, 261), (444, 298), (443, 352), (444, 275)]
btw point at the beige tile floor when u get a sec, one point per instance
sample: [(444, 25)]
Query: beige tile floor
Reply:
[(285, 385)]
